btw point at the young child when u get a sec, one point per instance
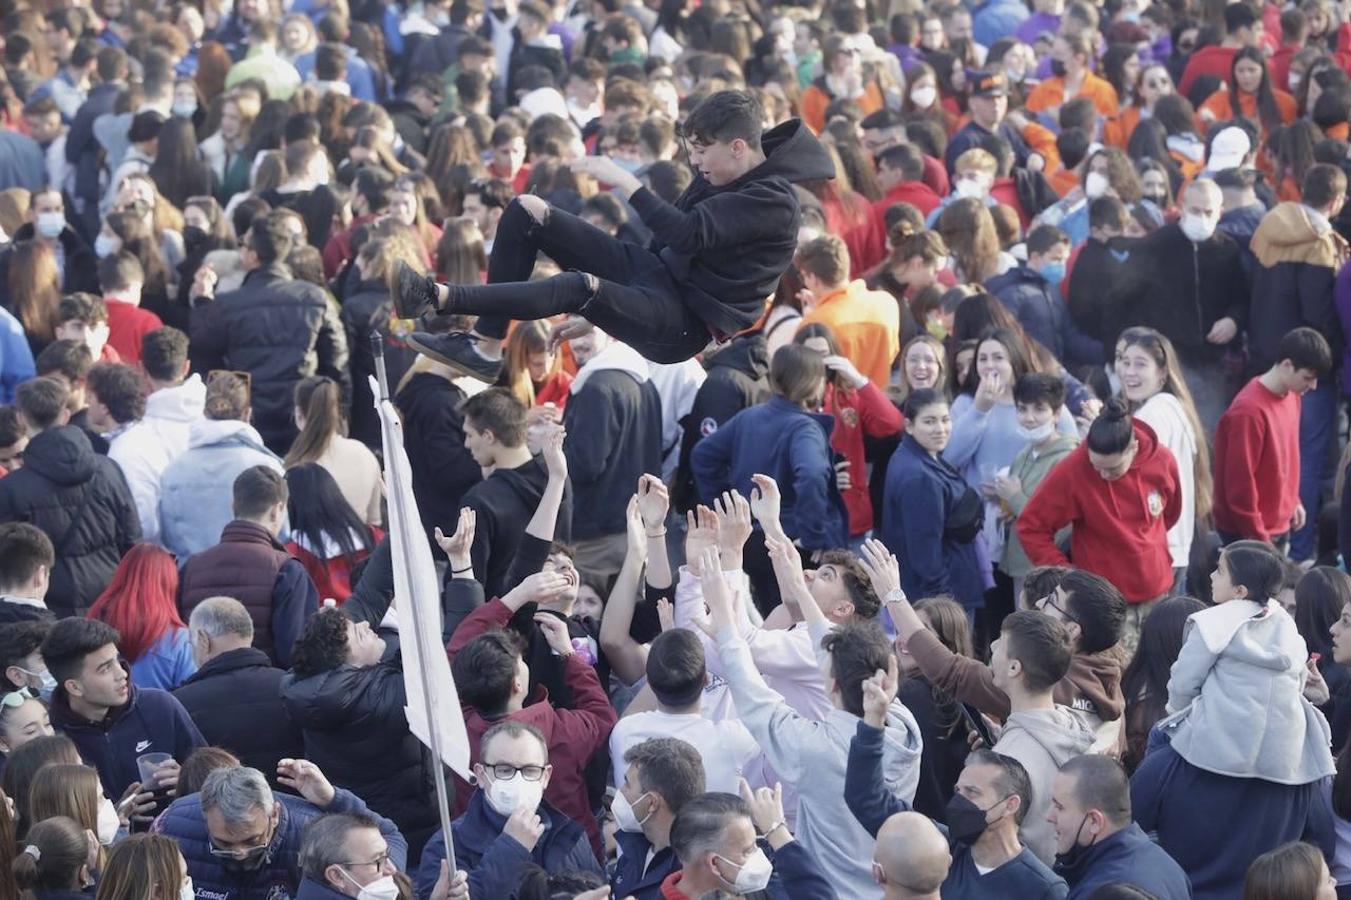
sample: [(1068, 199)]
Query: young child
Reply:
[(1237, 689), (1038, 397)]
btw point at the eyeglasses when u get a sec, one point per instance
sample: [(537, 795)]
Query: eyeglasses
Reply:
[(505, 771), (239, 853), (1157, 85), (1048, 602), (377, 863)]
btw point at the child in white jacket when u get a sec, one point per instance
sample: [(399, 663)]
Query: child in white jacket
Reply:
[(1236, 692)]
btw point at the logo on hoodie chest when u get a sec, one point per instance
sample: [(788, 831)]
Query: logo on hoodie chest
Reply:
[(1155, 503)]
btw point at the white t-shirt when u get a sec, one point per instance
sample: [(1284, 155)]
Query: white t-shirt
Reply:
[(727, 748)]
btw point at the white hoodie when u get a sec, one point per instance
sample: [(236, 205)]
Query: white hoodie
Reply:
[(144, 450)]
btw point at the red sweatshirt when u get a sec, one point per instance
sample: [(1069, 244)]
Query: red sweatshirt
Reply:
[(1120, 527), (1212, 60), (1257, 463), (858, 414), (127, 324), (573, 735)]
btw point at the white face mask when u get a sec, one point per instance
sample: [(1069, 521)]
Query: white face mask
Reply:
[(754, 873), (1197, 228), (923, 96), (108, 822), (1038, 434), (1095, 185), (505, 796), (186, 109), (187, 891), (625, 817), (381, 889)]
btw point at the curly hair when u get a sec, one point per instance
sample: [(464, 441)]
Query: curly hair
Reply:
[(322, 646)]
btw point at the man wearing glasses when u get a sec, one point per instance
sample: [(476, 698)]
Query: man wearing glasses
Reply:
[(508, 823), (242, 841), (345, 855)]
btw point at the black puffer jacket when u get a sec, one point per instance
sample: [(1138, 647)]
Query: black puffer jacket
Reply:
[(366, 311), (82, 502), (278, 330), (356, 733)]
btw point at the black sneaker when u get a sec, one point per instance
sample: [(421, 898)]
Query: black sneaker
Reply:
[(415, 293), (457, 350)]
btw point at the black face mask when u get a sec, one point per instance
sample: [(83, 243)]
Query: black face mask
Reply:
[(1158, 199), (1058, 67), (250, 863), (966, 821), (1074, 858)]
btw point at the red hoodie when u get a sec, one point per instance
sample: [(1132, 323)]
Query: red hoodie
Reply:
[(1120, 527), (1257, 463), (865, 412), (1214, 59)]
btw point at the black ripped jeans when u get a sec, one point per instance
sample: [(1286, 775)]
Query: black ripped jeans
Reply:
[(636, 301)]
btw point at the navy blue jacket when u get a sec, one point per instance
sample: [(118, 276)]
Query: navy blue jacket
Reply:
[(279, 876), (495, 862), (922, 494), (629, 879), (1182, 804), (1038, 308), (151, 721), (790, 445), (313, 890), (1024, 876), (1128, 856), (971, 135), (616, 425)]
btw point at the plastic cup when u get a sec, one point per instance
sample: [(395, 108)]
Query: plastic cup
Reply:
[(147, 764)]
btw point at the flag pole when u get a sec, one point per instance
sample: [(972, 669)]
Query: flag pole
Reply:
[(420, 629)]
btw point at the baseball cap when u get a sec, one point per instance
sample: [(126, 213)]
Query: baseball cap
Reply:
[(1228, 149), (988, 84)]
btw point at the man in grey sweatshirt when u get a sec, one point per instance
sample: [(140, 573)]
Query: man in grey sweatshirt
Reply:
[(1031, 655)]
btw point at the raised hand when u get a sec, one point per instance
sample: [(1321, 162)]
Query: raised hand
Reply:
[(734, 526), (306, 779), (633, 527), (653, 502), (666, 614), (555, 461), (787, 562), (878, 692), (766, 503), (883, 571), (457, 548), (766, 806), (841, 366), (716, 595), (701, 534)]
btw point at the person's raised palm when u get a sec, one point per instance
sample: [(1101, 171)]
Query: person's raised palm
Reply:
[(555, 460), (765, 501), (884, 571), (701, 534)]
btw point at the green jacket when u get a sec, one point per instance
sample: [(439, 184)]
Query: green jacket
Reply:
[(1030, 470)]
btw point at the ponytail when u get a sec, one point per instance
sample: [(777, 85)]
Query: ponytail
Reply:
[(51, 856), (319, 400)]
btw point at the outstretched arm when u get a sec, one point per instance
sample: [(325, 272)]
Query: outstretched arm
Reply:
[(627, 657), (542, 524)]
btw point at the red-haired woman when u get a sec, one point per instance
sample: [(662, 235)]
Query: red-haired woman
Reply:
[(141, 603)]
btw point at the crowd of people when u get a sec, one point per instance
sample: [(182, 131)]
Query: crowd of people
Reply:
[(869, 451)]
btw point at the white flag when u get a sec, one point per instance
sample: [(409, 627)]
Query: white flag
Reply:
[(417, 593)]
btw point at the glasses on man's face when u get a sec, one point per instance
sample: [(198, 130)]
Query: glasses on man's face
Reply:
[(378, 863), (1049, 603), (506, 771)]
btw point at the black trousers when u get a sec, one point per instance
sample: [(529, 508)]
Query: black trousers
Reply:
[(636, 301)]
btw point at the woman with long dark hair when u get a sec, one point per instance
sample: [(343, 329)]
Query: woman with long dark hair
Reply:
[(1249, 93), (1145, 684), (327, 535), (178, 170), (1320, 596), (939, 716), (133, 229), (1185, 145), (34, 292), (141, 603), (323, 439)]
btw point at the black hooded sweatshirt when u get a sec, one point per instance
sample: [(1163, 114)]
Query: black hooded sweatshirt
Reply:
[(727, 246), (504, 503)]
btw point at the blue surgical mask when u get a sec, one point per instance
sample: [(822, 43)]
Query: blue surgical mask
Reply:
[(51, 224), (1053, 271), (106, 246)]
